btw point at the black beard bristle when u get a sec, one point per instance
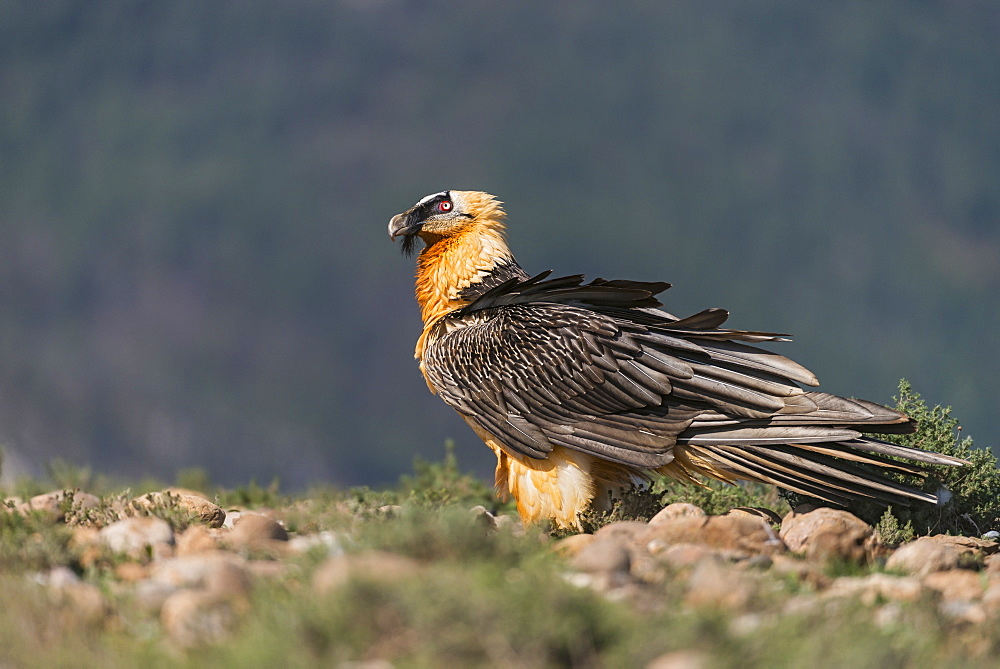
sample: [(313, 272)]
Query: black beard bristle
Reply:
[(409, 241)]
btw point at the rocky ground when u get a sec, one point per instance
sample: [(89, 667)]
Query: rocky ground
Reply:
[(174, 577)]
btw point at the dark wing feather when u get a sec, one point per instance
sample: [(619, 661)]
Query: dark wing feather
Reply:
[(595, 367), (568, 289), (538, 375), (543, 362)]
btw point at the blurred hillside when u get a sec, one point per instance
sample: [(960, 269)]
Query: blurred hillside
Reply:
[(194, 269)]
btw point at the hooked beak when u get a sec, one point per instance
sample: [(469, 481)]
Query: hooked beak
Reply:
[(403, 224)]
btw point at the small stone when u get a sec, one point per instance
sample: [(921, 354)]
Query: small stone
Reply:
[(924, 556), (80, 602), (254, 530), (869, 589), (676, 509), (992, 564), (717, 585), (507, 523), (138, 536), (748, 536), (327, 541), (84, 536), (977, 548), (221, 573), (963, 611), (84, 500), (149, 595), (373, 565), (805, 571), (683, 556), (55, 503), (131, 572), (622, 529), (206, 512), (682, 659), (200, 508), (991, 598), (177, 491), (803, 605), (86, 543), (232, 515), (196, 617), (956, 584), (58, 577), (824, 534), (196, 539), (570, 546), (602, 555), (483, 514), (84, 602), (748, 624)]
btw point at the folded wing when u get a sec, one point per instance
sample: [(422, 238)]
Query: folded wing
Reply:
[(597, 368)]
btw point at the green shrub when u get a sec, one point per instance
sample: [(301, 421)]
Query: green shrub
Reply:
[(438, 483), (889, 530), (32, 541), (974, 505), (716, 497)]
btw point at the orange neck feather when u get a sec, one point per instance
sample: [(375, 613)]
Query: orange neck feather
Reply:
[(448, 265)]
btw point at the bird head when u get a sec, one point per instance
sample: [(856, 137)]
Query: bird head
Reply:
[(445, 214)]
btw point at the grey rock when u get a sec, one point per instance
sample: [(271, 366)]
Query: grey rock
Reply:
[(957, 584), (196, 617), (602, 555), (253, 529), (54, 503), (870, 589), (718, 585), (923, 556), (327, 541), (674, 510), (205, 511), (827, 533), (135, 536), (222, 573), (748, 536)]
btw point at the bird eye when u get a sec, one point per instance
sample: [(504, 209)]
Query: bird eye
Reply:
[(444, 205)]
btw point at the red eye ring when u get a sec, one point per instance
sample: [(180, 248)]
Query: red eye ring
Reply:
[(444, 205)]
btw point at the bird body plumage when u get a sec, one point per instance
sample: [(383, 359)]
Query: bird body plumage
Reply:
[(579, 388)]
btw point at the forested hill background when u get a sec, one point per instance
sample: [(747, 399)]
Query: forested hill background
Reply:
[(194, 267)]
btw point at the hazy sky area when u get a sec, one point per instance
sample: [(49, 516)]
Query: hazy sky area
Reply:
[(194, 266)]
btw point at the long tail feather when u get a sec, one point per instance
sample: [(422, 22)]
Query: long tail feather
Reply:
[(828, 471)]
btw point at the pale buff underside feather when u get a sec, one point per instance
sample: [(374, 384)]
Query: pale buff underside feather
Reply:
[(562, 487)]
